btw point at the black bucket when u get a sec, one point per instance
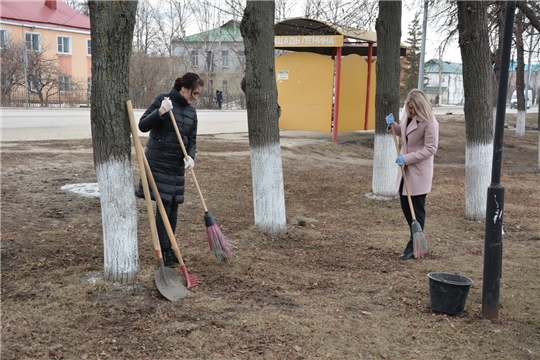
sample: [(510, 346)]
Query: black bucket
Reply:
[(448, 292)]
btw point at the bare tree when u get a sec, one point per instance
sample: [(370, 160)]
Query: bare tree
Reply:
[(477, 72), (172, 21), (145, 34), (12, 70), (112, 38), (519, 29), (388, 29), (257, 28)]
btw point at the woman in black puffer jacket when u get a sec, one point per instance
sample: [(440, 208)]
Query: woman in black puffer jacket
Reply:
[(164, 153)]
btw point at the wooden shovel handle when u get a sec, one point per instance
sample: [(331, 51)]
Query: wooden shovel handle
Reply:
[(186, 155), (403, 175), (144, 180)]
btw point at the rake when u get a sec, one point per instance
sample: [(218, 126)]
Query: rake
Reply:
[(221, 246)]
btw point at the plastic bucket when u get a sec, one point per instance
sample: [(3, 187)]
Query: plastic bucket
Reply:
[(448, 292)]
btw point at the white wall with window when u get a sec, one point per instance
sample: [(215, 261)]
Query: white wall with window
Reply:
[(64, 44), (3, 39), (225, 58), (88, 47), (33, 41)]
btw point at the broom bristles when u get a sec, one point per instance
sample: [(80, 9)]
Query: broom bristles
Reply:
[(420, 246), (221, 246)]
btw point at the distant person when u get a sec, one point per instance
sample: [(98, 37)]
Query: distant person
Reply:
[(219, 98), (419, 131), (214, 103), (164, 153)]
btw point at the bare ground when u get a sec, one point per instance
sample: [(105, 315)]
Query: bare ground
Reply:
[(331, 289)]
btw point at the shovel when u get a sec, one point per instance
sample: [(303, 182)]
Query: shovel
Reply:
[(167, 282)]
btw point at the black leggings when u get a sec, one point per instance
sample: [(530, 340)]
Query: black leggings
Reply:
[(419, 206), (172, 214)]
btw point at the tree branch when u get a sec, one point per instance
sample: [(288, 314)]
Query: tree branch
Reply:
[(522, 5)]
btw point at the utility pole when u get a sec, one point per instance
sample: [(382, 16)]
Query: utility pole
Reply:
[(25, 64), (423, 48), (491, 286), (440, 76)]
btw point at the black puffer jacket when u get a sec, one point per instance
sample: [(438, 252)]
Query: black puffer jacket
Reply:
[(163, 149)]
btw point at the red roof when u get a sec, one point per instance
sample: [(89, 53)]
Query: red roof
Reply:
[(36, 12)]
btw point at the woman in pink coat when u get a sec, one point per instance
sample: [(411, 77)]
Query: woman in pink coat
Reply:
[(419, 131)]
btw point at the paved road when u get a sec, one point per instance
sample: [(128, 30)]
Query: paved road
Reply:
[(61, 124)]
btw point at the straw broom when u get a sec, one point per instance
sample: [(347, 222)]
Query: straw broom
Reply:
[(221, 246)]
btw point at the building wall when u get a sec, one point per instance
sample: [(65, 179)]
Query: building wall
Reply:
[(219, 72), (451, 87), (76, 64)]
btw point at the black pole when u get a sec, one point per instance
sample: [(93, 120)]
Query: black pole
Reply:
[(495, 198)]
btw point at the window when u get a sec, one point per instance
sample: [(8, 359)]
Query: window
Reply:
[(33, 41), (241, 57), (89, 84), (225, 59), (3, 39), (64, 44), (195, 58), (88, 47), (210, 61), (64, 83)]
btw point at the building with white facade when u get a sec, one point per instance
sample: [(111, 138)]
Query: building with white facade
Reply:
[(445, 80)]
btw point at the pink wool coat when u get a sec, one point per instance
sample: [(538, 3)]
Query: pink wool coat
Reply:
[(419, 145)]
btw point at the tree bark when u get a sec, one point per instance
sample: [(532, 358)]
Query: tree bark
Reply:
[(477, 83), (388, 27), (112, 24), (520, 76), (257, 29)]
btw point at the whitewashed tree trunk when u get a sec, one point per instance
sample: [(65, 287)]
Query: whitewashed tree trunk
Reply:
[(259, 84), (388, 27), (111, 52), (520, 75), (477, 72), (119, 217), (478, 164), (520, 124), (385, 169)]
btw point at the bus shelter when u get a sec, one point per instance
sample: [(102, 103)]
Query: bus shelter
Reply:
[(326, 79)]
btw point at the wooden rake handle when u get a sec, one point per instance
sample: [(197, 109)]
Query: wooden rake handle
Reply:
[(144, 168), (403, 175), (186, 155), (144, 180)]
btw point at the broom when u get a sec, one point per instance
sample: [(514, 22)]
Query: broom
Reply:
[(221, 246), (420, 246)]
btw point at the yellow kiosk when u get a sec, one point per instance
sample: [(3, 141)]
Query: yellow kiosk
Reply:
[(326, 83)]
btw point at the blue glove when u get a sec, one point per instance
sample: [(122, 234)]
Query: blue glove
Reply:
[(389, 119), (400, 161)]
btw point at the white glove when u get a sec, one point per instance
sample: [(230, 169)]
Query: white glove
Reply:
[(189, 163), (167, 105)]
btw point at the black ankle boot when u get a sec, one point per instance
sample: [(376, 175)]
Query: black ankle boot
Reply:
[(169, 258)]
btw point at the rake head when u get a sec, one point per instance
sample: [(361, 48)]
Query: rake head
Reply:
[(221, 246), (190, 279)]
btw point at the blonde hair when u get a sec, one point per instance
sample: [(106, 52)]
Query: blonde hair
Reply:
[(417, 98)]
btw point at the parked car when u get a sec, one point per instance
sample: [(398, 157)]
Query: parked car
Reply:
[(513, 99)]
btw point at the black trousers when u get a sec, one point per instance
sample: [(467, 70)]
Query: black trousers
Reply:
[(419, 206), (172, 214)]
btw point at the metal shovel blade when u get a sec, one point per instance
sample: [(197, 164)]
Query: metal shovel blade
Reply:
[(169, 285)]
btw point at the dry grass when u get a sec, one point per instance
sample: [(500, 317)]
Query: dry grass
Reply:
[(332, 289)]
